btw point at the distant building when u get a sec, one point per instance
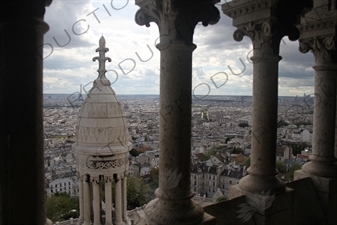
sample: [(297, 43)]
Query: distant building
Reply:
[(67, 184), (229, 177)]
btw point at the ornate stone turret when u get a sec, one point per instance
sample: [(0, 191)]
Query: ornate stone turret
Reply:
[(102, 148)]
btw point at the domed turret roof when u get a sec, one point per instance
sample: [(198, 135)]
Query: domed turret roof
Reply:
[(102, 128)]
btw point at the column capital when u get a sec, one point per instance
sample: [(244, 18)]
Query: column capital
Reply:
[(107, 179), (94, 179), (265, 22), (318, 34), (177, 19), (266, 35), (323, 48)]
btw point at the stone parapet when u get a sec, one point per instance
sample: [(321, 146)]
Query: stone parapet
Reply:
[(326, 193), (268, 208)]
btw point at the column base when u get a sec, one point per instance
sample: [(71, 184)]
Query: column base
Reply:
[(87, 223), (258, 184), (326, 190), (186, 212), (266, 208), (325, 167)]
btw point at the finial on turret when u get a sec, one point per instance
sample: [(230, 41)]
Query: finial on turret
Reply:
[(102, 42), (101, 80)]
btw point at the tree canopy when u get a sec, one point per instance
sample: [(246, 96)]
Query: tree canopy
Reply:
[(290, 175), (243, 125), (238, 150), (137, 191), (207, 155), (246, 162), (280, 166), (221, 199), (61, 207)]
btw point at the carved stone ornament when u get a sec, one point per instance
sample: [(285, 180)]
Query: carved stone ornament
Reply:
[(266, 35), (94, 179), (175, 17), (106, 164), (107, 179), (101, 80), (324, 49)]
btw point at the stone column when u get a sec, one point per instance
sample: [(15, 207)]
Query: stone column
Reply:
[(87, 200), (124, 198), (22, 183), (118, 200), (96, 201), (336, 131), (262, 173), (266, 31), (322, 162), (176, 21), (108, 198), (81, 200), (318, 34)]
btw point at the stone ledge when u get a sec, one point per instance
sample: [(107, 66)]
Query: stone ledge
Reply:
[(208, 220), (226, 212), (278, 203), (321, 184), (307, 207)]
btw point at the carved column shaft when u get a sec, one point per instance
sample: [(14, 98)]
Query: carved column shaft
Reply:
[(124, 200), (324, 112), (87, 200), (21, 120), (96, 200), (176, 21), (266, 39), (323, 160), (81, 200), (175, 120), (265, 100), (108, 197), (118, 201)]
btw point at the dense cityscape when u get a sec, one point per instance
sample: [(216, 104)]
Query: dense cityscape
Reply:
[(221, 142)]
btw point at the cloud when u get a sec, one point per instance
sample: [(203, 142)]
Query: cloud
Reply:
[(220, 64)]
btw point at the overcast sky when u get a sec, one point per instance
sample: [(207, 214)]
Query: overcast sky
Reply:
[(76, 27)]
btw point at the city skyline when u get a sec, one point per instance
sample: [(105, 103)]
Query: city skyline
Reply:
[(221, 66)]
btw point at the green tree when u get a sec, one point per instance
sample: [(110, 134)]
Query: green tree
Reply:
[(60, 207), (134, 152), (237, 150), (290, 175), (243, 125), (298, 148), (246, 162), (221, 199), (137, 191), (280, 166), (210, 152)]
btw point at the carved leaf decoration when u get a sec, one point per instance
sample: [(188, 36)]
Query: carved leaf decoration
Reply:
[(246, 212), (255, 202), (172, 179)]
